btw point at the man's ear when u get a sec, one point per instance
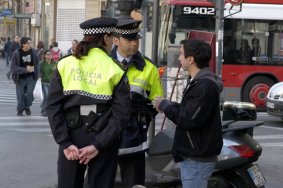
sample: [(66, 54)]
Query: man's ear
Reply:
[(115, 40)]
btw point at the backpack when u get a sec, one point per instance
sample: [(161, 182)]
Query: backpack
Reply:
[(55, 55)]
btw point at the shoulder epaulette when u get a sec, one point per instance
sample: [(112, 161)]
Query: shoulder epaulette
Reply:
[(148, 59)]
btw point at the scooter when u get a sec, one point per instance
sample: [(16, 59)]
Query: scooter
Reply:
[(235, 167)]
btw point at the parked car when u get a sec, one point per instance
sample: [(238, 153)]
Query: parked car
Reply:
[(274, 100)]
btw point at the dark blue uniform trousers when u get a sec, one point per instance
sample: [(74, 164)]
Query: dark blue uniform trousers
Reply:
[(101, 169)]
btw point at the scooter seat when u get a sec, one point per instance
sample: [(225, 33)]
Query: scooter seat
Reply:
[(161, 143)]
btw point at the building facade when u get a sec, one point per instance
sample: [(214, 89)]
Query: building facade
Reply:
[(44, 20)]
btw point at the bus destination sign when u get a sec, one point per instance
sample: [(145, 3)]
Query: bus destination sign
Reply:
[(198, 11)]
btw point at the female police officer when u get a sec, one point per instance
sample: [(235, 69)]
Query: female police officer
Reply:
[(87, 106)]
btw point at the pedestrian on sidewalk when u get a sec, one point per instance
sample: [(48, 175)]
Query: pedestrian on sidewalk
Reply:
[(8, 51), (47, 68), (15, 46), (40, 50), (198, 135), (24, 66)]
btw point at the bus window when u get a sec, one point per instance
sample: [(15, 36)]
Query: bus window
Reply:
[(252, 42)]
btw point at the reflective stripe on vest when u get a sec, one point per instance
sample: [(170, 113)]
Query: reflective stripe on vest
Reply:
[(146, 80), (94, 75)]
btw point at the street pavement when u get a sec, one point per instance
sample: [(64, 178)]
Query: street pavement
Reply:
[(28, 153)]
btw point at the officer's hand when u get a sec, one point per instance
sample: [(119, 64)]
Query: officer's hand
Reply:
[(72, 152), (87, 153), (156, 102)]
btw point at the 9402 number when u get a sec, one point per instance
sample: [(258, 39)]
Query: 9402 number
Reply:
[(199, 10)]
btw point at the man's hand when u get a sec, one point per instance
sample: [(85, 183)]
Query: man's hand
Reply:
[(30, 69), (87, 153), (156, 102), (71, 153)]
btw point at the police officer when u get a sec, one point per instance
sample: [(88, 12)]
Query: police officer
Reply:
[(145, 85), (87, 107)]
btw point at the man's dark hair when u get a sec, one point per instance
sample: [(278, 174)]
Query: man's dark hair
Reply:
[(199, 49), (25, 40)]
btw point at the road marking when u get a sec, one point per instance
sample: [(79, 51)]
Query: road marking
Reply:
[(276, 144), (9, 124), (21, 117), (274, 128), (263, 137), (29, 130)]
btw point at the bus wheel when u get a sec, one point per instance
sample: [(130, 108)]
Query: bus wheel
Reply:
[(255, 91)]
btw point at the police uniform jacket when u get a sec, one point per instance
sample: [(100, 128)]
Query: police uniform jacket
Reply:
[(95, 79), (145, 85)]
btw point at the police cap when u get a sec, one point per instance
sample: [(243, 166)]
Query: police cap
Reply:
[(98, 26), (128, 28)]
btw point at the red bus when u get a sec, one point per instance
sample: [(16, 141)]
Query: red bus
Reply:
[(252, 43)]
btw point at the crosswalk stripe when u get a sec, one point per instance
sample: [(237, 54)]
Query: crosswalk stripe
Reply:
[(266, 137), (29, 130), (22, 118), (8, 124), (275, 144)]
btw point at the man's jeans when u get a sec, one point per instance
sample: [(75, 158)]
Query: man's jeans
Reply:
[(45, 87), (24, 90), (195, 174)]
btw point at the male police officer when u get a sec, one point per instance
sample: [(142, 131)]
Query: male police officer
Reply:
[(145, 85), (87, 107)]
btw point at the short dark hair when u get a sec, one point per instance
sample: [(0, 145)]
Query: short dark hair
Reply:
[(24, 40), (199, 49)]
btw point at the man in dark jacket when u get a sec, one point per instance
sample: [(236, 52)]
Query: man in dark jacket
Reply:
[(198, 136), (24, 66)]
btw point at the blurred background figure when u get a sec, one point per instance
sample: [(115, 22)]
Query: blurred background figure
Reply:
[(8, 51), (245, 52), (47, 67), (256, 50), (15, 46), (39, 50), (74, 46), (56, 52)]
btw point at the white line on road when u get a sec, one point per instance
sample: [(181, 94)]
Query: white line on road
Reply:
[(29, 130), (274, 128), (276, 144), (21, 117), (8, 124), (263, 137)]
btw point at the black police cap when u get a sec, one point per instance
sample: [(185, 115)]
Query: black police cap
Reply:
[(99, 25), (128, 28)]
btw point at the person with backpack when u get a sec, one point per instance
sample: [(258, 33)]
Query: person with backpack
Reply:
[(56, 52)]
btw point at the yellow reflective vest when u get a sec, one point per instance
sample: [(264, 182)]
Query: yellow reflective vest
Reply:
[(95, 75), (146, 82)]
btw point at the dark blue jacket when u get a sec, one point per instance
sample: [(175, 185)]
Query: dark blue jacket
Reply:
[(198, 134), (17, 70)]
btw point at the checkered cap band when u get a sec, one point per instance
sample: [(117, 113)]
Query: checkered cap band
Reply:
[(127, 31), (97, 30)]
